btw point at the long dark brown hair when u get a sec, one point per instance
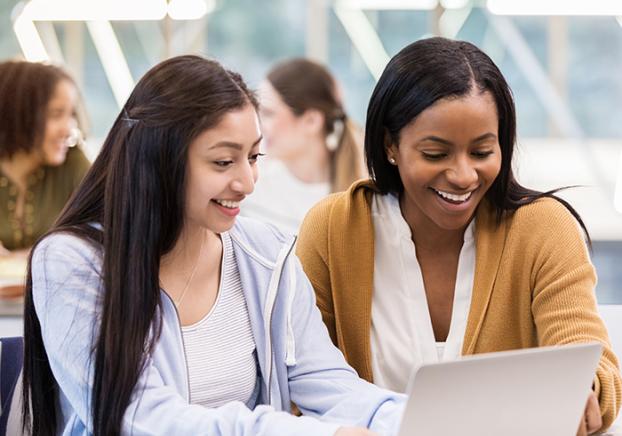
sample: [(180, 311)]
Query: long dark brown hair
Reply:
[(135, 190), (429, 70), (303, 85)]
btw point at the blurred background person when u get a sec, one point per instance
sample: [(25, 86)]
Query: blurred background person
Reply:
[(39, 165), (313, 148)]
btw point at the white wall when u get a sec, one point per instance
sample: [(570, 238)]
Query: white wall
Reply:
[(11, 326), (551, 163)]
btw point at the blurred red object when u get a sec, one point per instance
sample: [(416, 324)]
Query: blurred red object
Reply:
[(11, 291)]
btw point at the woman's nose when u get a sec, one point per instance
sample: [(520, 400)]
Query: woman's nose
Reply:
[(462, 173), (244, 181)]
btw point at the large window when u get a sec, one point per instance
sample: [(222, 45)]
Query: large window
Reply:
[(565, 73)]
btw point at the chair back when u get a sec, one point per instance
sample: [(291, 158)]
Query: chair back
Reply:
[(11, 362)]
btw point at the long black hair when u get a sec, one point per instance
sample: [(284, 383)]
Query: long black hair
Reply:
[(135, 190), (429, 70)]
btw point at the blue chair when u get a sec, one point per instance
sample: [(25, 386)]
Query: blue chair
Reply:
[(11, 362)]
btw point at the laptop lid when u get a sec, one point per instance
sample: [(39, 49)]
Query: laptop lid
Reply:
[(536, 391)]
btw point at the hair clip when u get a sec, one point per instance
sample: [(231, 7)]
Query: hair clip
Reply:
[(127, 119), (334, 138)]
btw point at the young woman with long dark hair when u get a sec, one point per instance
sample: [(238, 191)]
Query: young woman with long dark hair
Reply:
[(453, 256), (151, 310)]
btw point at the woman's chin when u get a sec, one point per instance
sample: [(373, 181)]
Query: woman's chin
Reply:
[(56, 159)]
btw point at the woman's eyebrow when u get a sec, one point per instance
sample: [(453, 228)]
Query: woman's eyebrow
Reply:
[(234, 145), (488, 135), (226, 144), (437, 139)]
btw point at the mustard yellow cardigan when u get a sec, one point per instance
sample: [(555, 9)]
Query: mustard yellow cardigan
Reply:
[(533, 286)]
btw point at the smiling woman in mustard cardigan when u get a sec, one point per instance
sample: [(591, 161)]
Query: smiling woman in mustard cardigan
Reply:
[(443, 253)]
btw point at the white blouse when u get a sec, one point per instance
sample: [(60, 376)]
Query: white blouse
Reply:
[(402, 337), (280, 198)]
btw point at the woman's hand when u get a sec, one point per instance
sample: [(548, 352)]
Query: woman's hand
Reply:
[(591, 420), (354, 431)]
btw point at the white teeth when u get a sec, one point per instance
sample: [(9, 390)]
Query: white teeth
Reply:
[(228, 203), (454, 197)]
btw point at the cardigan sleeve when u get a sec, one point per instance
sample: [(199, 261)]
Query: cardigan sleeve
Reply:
[(312, 250), (564, 303)]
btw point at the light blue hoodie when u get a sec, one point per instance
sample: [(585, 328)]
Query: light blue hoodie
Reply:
[(297, 360)]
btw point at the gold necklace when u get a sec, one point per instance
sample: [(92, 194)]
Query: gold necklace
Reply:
[(194, 269)]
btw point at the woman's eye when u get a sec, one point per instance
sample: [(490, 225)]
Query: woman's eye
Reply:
[(482, 154), (223, 163), (254, 157), (434, 156), (55, 114)]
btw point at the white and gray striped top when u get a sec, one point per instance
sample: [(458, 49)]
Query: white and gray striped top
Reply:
[(220, 348)]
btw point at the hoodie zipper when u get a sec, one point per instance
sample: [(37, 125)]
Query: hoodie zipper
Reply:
[(269, 309), (183, 346)]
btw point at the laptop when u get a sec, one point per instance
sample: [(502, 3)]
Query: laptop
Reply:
[(535, 392)]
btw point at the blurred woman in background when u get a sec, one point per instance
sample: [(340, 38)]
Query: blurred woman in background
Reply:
[(39, 167), (313, 148)]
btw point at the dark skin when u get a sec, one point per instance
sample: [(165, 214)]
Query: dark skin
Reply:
[(439, 284), (441, 153), (451, 150)]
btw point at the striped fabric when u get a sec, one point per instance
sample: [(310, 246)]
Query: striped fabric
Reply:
[(220, 349)]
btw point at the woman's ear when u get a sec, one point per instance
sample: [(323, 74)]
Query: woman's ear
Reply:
[(390, 149), (313, 121)]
